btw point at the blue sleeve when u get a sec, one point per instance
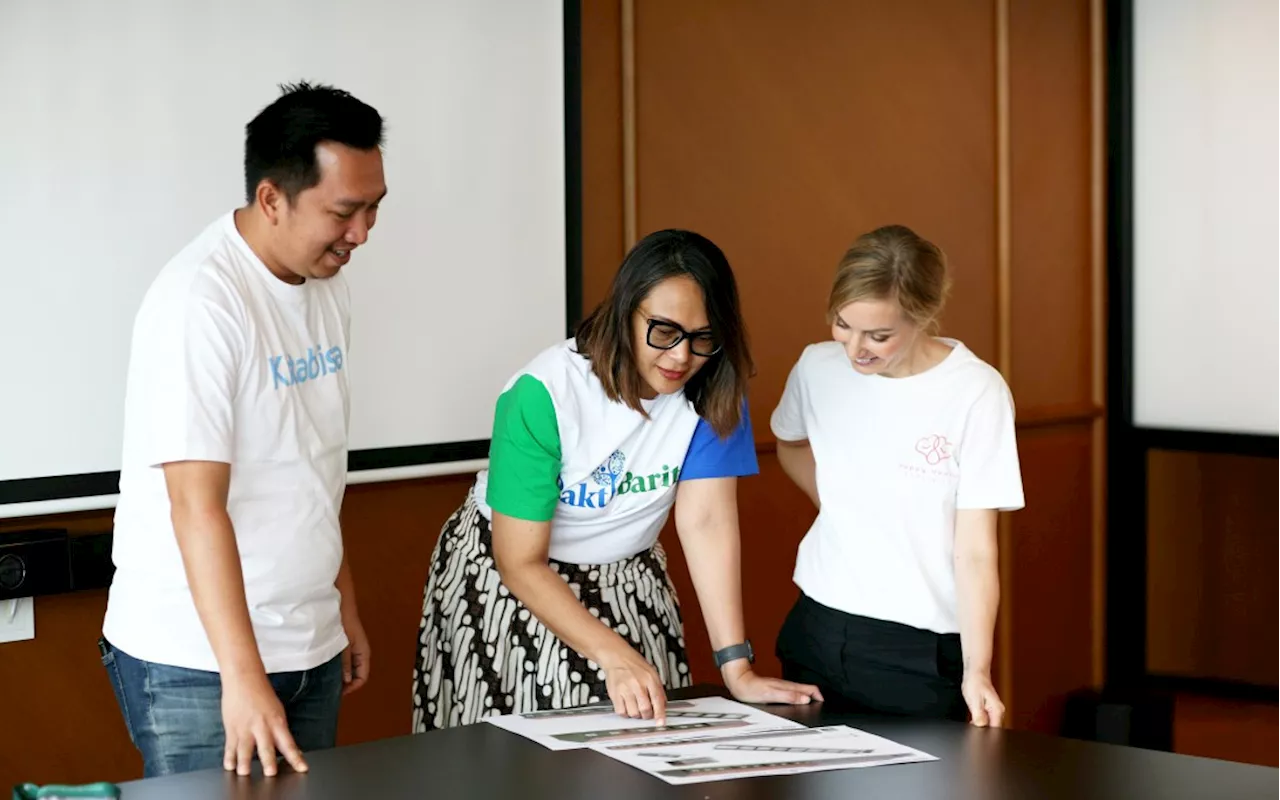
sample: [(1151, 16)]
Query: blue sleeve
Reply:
[(709, 456)]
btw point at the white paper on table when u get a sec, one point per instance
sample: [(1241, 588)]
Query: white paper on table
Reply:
[(574, 728), (727, 755)]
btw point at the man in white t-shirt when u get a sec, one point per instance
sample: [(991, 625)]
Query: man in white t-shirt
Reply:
[(231, 628)]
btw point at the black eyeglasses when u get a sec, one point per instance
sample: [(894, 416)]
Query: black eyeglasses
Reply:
[(666, 335)]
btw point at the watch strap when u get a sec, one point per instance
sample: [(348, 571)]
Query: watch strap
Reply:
[(733, 653)]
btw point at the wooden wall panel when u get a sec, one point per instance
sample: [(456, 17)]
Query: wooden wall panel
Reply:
[(390, 530), (1051, 571), (1050, 184), (1241, 498), (70, 729), (775, 516), (602, 244), (1050, 559), (1235, 730), (1211, 580), (782, 131), (55, 683), (74, 731), (1175, 541)]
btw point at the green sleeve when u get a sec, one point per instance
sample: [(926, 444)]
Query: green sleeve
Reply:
[(524, 455)]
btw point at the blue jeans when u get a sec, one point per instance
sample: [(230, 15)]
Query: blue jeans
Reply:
[(174, 715)]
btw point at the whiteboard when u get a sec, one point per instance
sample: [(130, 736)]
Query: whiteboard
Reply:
[(1206, 262), (123, 138)]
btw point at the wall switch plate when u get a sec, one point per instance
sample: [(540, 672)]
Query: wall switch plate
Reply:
[(17, 619)]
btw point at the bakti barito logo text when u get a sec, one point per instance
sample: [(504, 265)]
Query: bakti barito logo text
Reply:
[(612, 479)]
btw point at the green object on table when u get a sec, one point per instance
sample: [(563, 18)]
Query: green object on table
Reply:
[(88, 791)]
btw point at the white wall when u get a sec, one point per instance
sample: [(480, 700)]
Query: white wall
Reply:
[(122, 137), (1205, 215)]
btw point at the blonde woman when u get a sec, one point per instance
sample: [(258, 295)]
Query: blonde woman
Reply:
[(905, 443)]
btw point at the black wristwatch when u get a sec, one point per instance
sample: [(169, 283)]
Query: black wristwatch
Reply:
[(735, 652)]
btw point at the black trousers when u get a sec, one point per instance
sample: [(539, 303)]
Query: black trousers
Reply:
[(864, 664)]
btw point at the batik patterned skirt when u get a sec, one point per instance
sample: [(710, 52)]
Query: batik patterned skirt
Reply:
[(481, 652)]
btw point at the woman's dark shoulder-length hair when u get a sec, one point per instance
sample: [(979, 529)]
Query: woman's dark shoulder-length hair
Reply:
[(605, 337)]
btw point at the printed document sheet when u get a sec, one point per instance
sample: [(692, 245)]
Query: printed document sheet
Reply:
[(585, 726), (723, 754)]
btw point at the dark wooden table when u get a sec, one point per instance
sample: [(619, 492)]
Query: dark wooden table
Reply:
[(483, 761)]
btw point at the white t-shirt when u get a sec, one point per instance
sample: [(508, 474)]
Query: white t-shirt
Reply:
[(896, 458), (603, 475), (229, 363)]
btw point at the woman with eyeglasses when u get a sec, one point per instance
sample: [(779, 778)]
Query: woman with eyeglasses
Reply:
[(548, 588)]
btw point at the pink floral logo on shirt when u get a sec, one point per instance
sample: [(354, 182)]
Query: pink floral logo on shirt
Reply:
[(935, 449)]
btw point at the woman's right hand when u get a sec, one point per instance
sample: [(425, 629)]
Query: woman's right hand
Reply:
[(634, 686)]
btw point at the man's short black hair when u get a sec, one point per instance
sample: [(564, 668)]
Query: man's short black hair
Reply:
[(280, 143)]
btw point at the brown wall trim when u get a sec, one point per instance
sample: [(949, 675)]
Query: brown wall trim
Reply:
[(1057, 415), (1098, 290), (1004, 339), (629, 217), (1004, 205)]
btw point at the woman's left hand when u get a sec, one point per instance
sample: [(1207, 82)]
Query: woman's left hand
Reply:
[(985, 708), (748, 687)]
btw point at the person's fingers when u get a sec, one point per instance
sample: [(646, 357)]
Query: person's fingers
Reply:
[(631, 704), (795, 698), (619, 700), (643, 702), (787, 692), (654, 694), (995, 711), (796, 694), (346, 666), (289, 748), (977, 711), (266, 750), (658, 699), (244, 753), (356, 674), (229, 752)]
